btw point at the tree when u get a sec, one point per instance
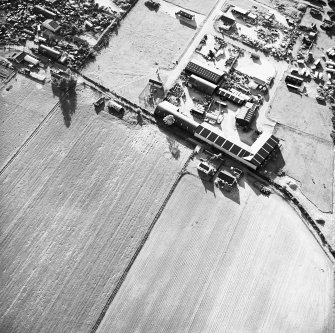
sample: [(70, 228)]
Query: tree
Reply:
[(169, 120)]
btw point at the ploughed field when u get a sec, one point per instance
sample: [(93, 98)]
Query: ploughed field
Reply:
[(75, 204), (22, 109), (226, 262)]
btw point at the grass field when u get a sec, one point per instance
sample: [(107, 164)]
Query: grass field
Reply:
[(145, 41), (198, 6), (212, 264), (75, 204), (22, 108), (302, 113), (309, 161)]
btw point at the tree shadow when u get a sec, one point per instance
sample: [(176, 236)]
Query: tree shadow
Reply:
[(67, 102), (139, 118), (207, 182), (173, 147)]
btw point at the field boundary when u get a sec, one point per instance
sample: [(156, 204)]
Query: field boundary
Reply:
[(31, 136), (180, 175)]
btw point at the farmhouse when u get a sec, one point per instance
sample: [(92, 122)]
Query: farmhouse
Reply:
[(204, 71)]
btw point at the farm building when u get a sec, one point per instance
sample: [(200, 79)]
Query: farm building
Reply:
[(246, 114), (231, 96), (254, 158), (45, 12), (202, 84), (226, 180), (182, 15), (51, 25), (31, 60), (240, 11), (49, 51), (228, 22), (293, 79), (115, 106), (165, 108), (204, 71), (262, 149)]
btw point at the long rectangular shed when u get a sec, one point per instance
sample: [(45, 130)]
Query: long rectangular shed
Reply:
[(202, 84), (204, 71), (165, 108), (230, 96)]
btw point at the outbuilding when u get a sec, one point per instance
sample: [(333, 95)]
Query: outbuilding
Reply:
[(165, 108), (246, 114), (49, 51), (51, 25), (202, 84), (112, 105), (204, 71)]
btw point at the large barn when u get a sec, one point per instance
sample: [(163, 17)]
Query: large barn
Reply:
[(204, 71)]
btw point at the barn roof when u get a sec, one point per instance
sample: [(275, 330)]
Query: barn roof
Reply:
[(203, 70)]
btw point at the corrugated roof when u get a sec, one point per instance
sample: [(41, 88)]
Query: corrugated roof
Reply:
[(203, 70), (230, 96)]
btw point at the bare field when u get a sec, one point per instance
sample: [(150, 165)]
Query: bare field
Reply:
[(309, 161), (22, 108), (75, 205), (214, 265), (198, 6), (145, 41), (302, 113)]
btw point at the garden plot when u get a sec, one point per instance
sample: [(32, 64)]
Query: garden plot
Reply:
[(75, 204), (22, 109), (219, 262), (146, 40)]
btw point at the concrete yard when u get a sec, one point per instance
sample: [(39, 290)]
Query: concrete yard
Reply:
[(220, 262)]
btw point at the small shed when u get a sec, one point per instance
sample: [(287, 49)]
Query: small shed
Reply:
[(31, 60), (226, 180), (246, 114), (49, 51), (112, 105)]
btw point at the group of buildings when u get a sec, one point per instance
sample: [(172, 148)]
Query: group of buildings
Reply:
[(208, 79), (253, 157)]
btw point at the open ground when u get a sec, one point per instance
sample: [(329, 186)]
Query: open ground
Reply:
[(22, 108), (146, 41), (75, 204), (226, 262)]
